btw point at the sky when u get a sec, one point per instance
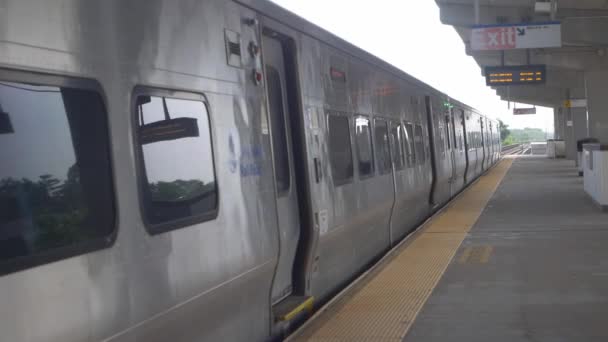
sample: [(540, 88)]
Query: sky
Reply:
[(409, 35)]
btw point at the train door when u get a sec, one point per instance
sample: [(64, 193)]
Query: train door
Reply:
[(281, 115), (491, 142), (462, 150), (483, 144), (450, 152), (465, 147)]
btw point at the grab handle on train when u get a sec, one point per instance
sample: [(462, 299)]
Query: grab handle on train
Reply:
[(317, 170)]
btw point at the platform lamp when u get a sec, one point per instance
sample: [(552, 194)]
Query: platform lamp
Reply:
[(546, 7)]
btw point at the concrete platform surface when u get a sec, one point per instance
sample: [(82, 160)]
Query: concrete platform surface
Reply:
[(534, 267)]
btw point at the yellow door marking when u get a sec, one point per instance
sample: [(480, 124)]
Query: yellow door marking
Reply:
[(485, 256), (306, 305), (384, 304), (464, 258), (476, 255)]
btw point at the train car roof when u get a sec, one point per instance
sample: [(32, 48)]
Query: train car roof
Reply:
[(302, 25)]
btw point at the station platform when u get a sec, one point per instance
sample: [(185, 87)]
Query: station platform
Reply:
[(521, 255)]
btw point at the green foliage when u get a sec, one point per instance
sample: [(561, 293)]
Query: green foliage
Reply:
[(508, 141), (525, 135), (55, 211), (179, 190), (504, 131)]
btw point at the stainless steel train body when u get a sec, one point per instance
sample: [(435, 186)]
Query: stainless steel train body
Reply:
[(179, 170)]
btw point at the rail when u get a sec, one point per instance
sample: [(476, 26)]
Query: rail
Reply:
[(514, 149)]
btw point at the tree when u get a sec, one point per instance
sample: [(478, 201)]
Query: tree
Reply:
[(504, 130)]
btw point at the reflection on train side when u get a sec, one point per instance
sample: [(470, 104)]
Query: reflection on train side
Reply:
[(54, 192), (178, 174)]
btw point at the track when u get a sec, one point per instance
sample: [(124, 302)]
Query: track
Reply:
[(516, 149)]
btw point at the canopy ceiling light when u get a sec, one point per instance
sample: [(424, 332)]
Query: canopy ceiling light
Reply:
[(546, 7)]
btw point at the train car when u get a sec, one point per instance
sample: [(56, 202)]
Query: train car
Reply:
[(187, 170)]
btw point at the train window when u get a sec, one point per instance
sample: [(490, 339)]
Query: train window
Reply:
[(409, 143), (56, 188), (382, 150), (419, 141), (397, 146), (176, 159), (340, 152), (363, 139), (279, 138)]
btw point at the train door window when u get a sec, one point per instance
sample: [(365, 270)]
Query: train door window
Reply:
[(382, 149), (447, 131), (408, 138), (419, 142), (279, 138), (177, 173), (56, 188), (441, 138), (461, 139), (363, 139), (340, 152), (397, 146)]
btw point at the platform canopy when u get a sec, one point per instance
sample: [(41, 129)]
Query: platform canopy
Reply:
[(584, 42)]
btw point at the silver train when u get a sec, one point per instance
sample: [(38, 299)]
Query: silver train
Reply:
[(187, 170)]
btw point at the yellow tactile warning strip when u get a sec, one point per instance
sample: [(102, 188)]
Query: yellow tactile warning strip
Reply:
[(383, 305)]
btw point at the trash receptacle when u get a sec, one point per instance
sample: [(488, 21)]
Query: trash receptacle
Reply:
[(551, 148), (560, 148), (579, 152), (556, 148)]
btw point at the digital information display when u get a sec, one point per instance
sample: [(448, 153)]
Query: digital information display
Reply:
[(515, 75)]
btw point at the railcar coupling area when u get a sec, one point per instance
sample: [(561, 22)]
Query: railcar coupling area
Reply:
[(519, 256)]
